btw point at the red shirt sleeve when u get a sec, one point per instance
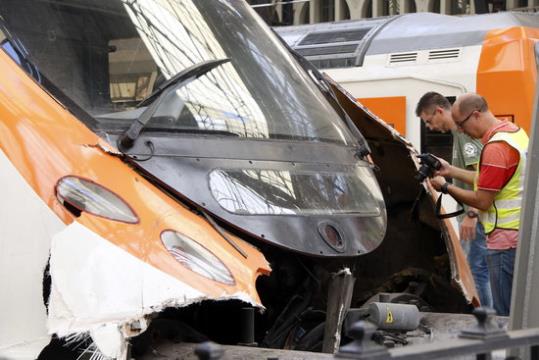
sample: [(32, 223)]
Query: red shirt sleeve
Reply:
[(499, 162)]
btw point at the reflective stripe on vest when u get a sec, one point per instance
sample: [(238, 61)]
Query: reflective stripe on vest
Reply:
[(504, 212)]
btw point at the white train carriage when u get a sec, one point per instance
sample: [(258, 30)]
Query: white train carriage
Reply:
[(389, 63)]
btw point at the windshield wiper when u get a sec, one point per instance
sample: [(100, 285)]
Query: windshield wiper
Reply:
[(127, 139), (197, 131)]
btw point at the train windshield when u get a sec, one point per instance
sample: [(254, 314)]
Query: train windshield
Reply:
[(273, 192), (203, 98), (109, 55)]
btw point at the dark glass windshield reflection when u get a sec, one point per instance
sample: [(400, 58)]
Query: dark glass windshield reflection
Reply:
[(108, 55), (262, 93), (278, 192)]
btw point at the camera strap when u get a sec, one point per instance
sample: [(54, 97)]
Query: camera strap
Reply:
[(450, 215)]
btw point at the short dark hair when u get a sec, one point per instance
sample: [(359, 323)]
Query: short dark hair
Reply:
[(431, 99)]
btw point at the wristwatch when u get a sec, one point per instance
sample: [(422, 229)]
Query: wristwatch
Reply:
[(472, 214), (443, 189)]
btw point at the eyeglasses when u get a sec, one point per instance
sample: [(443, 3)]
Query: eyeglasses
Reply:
[(429, 119), (460, 124)]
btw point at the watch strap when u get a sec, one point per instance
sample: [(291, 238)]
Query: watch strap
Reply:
[(444, 189)]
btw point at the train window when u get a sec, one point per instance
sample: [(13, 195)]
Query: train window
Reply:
[(331, 37), (72, 54), (435, 142), (285, 192), (334, 63), (132, 71), (114, 58), (506, 117)]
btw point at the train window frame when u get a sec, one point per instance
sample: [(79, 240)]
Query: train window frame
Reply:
[(506, 117)]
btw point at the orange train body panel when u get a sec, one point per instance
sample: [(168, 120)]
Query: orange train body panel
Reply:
[(464, 278), (45, 143), (507, 73), (392, 109)]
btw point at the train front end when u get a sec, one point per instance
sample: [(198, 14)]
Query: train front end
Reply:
[(170, 153)]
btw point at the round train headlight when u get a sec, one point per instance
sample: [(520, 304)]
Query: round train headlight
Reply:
[(196, 257), (84, 195)]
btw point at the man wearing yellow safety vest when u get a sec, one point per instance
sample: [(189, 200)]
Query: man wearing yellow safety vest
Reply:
[(498, 185), (435, 111)]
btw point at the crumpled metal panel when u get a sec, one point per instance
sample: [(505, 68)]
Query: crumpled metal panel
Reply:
[(44, 143), (101, 289), (400, 170)]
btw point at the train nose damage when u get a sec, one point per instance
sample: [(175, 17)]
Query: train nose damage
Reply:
[(218, 190), (109, 271), (101, 290), (414, 229)]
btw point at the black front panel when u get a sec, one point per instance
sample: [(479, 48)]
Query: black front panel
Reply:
[(309, 208)]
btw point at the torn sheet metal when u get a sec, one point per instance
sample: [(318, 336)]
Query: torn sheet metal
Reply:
[(37, 156), (101, 289), (395, 159), (26, 226), (340, 293)]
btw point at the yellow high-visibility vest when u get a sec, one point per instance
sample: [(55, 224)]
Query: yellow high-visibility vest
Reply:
[(504, 213)]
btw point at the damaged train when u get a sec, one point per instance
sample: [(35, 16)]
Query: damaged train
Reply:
[(168, 163)]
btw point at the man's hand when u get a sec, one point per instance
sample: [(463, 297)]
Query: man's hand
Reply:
[(437, 182), (444, 169), (467, 228)]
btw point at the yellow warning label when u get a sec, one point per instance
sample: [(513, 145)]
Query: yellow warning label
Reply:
[(389, 317)]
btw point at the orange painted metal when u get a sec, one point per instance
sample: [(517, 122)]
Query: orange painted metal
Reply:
[(45, 142), (507, 73), (463, 277), (392, 109)]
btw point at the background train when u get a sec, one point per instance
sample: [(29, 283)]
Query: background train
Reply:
[(389, 63)]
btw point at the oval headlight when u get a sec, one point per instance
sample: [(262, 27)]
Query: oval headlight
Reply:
[(85, 195), (196, 257)]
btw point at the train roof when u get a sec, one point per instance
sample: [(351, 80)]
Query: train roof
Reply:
[(401, 33)]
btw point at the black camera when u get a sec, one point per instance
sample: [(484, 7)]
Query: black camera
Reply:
[(429, 164)]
